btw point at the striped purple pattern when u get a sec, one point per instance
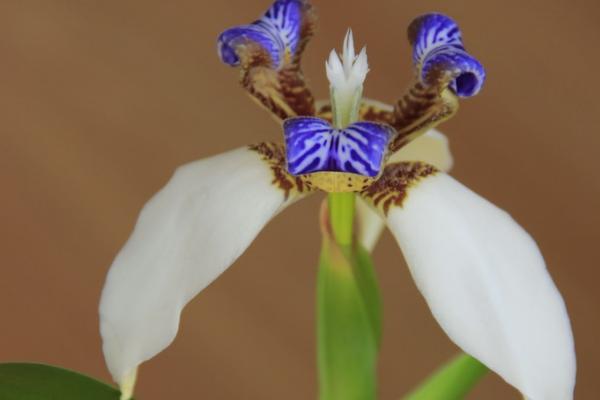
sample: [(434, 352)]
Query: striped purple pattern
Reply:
[(277, 32), (437, 45), (313, 145)]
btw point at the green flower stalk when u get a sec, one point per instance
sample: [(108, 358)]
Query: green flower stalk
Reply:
[(348, 323), (348, 303)]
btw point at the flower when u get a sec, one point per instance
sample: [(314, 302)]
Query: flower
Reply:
[(481, 274)]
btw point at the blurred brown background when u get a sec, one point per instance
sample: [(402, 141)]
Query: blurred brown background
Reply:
[(100, 101)]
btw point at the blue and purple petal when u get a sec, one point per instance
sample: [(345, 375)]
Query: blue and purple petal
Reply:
[(313, 145), (440, 56), (278, 33)]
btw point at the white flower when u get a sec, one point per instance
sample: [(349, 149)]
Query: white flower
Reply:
[(481, 274)]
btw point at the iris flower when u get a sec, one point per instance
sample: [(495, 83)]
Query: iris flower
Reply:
[(482, 276)]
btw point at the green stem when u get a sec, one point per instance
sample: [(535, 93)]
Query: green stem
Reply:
[(348, 303), (348, 324), (452, 381), (341, 211)]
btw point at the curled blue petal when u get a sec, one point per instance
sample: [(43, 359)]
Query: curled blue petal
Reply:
[(313, 145), (277, 32), (438, 51), (231, 38)]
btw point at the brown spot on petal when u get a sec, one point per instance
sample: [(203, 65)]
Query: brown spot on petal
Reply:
[(392, 187), (274, 155), (372, 110), (263, 86), (420, 109), (295, 92), (282, 91)]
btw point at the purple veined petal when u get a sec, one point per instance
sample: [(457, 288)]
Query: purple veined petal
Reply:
[(438, 50), (313, 145), (277, 32), (239, 35), (284, 20)]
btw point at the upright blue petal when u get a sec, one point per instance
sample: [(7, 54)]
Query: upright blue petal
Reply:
[(284, 21), (313, 145), (278, 33), (438, 51)]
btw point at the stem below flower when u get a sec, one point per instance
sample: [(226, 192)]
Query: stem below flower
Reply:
[(341, 213), (348, 302)]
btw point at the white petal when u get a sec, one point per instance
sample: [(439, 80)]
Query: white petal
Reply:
[(369, 224), (348, 54), (432, 148), (487, 285), (347, 75), (186, 236), (335, 70)]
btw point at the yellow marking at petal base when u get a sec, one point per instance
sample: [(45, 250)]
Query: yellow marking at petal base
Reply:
[(338, 182), (128, 384)]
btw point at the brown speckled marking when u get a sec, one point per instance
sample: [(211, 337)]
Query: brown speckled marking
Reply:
[(263, 86), (274, 154), (428, 101), (420, 109), (283, 92), (376, 111), (391, 189), (330, 182), (295, 92)]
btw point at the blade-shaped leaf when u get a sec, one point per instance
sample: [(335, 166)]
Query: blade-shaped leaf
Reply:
[(23, 381), (348, 324), (364, 272), (452, 381)]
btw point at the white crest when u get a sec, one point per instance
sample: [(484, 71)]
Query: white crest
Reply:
[(347, 74)]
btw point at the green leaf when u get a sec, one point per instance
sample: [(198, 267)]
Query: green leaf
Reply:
[(364, 272), (22, 381), (347, 329), (452, 381)]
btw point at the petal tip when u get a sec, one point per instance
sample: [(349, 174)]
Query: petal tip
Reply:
[(226, 51), (127, 384)]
